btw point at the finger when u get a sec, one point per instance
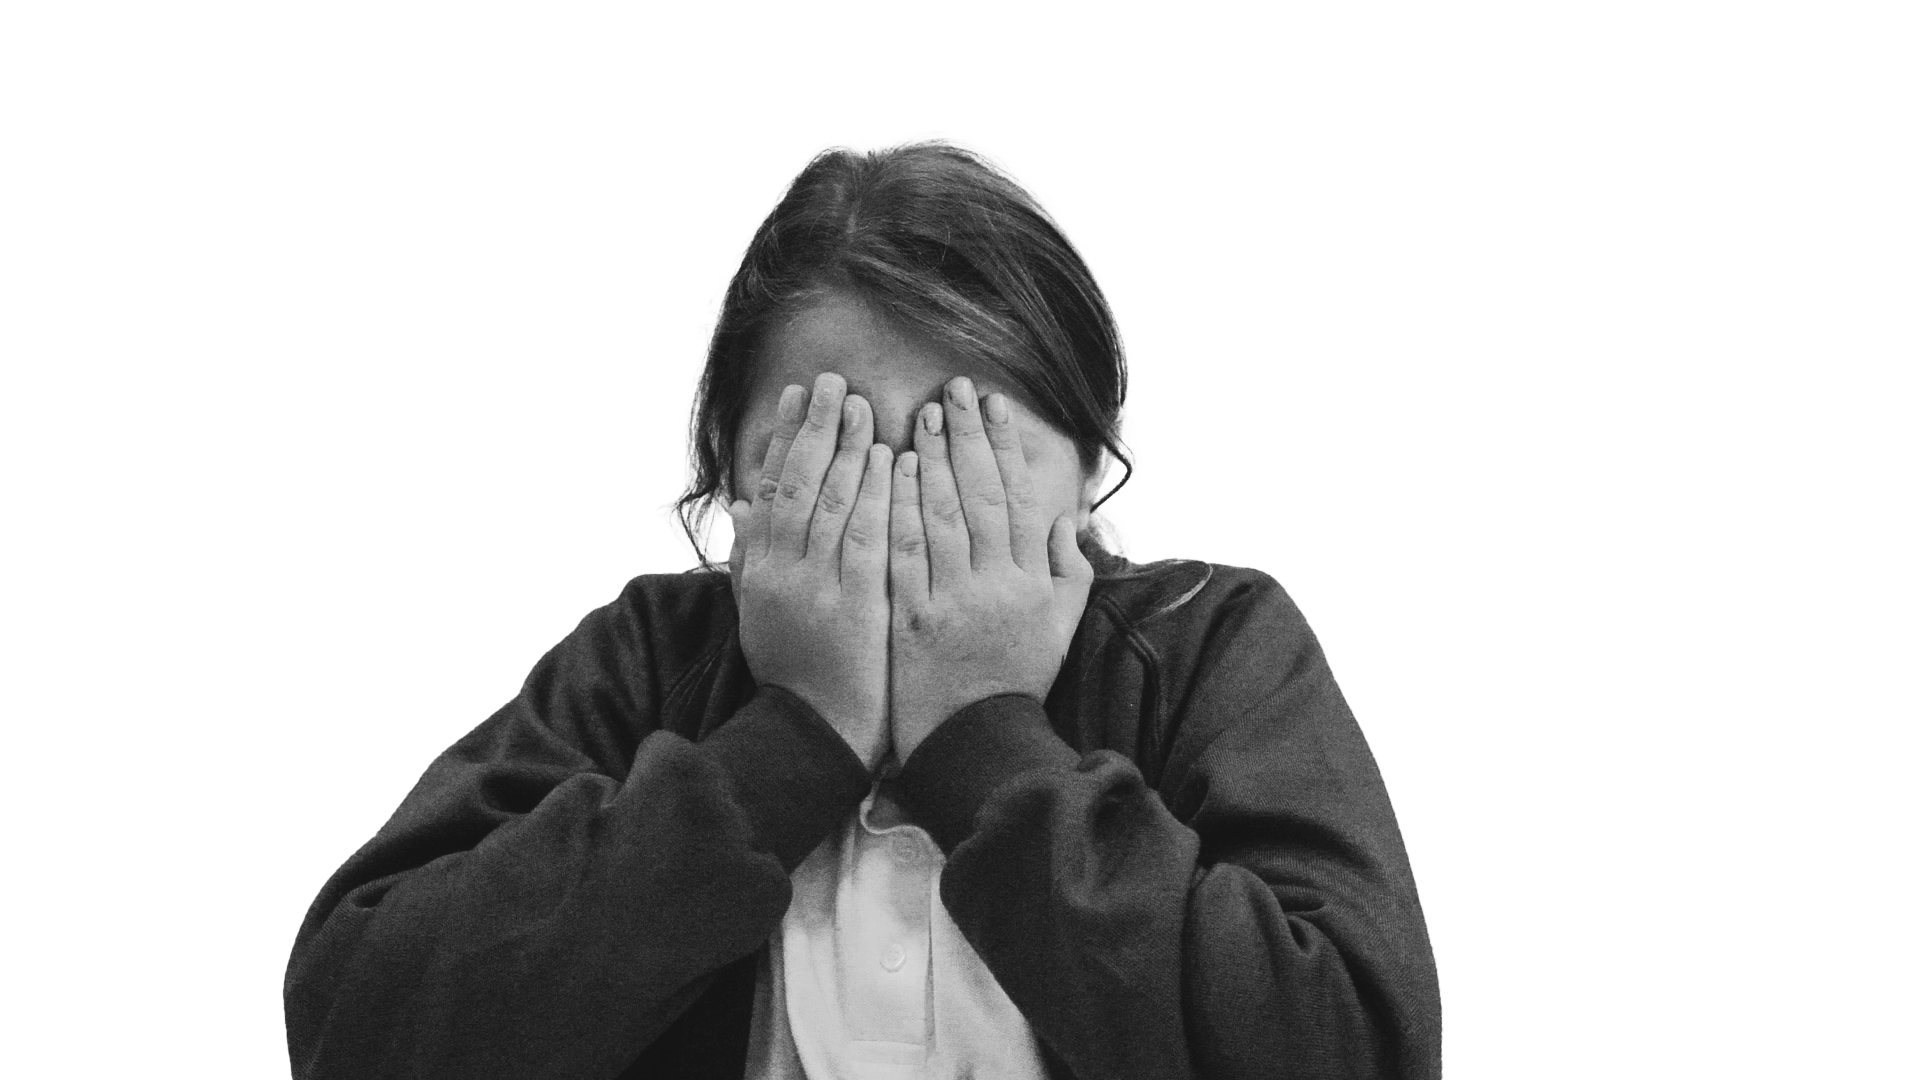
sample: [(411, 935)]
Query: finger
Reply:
[(1026, 536), (739, 510), (1064, 558), (792, 407), (975, 473), (863, 547), (1072, 574), (806, 467), (842, 484), (948, 559), (907, 554)]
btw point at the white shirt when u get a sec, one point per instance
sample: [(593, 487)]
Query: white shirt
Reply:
[(868, 979)]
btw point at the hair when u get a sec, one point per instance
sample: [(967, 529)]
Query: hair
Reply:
[(944, 243)]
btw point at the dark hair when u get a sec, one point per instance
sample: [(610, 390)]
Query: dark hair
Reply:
[(948, 245)]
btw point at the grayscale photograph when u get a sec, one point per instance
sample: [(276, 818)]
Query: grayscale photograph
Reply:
[(1044, 542)]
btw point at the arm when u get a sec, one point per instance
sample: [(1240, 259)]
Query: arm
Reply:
[(1267, 925), (566, 880), (530, 911)]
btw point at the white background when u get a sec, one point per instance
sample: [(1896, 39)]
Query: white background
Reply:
[(1558, 358)]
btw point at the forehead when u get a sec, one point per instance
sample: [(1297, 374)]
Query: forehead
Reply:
[(875, 354)]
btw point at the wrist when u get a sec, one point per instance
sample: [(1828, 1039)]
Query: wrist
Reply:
[(957, 767), (862, 725), (913, 727), (867, 737)]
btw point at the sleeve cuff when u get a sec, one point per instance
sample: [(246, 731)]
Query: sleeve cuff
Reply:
[(794, 775), (955, 770)]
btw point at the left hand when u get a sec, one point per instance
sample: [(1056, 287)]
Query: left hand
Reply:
[(986, 596), (809, 565)]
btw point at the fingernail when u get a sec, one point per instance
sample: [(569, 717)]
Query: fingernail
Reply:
[(849, 413), (997, 408), (909, 464), (930, 417), (962, 392), (790, 403)]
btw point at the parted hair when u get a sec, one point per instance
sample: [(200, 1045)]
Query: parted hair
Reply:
[(949, 246)]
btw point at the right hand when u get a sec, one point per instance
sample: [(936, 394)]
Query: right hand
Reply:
[(809, 563)]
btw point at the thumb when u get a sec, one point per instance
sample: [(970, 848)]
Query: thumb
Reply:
[(1072, 573), (737, 558)]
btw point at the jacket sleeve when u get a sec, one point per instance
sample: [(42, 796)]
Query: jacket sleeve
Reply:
[(1259, 919), (545, 903)]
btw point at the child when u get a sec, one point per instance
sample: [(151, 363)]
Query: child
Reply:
[(927, 782)]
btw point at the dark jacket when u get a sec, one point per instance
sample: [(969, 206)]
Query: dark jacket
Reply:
[(1183, 864)]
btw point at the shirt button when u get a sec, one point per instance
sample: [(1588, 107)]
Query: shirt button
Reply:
[(904, 849), (896, 955)]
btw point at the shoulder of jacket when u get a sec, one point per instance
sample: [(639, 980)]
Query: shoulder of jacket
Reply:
[(682, 594), (670, 623), (1173, 595), (1182, 618)]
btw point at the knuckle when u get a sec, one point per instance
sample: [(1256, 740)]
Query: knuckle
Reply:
[(947, 513), (990, 497), (792, 488), (861, 535), (910, 543), (926, 621), (831, 502)]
